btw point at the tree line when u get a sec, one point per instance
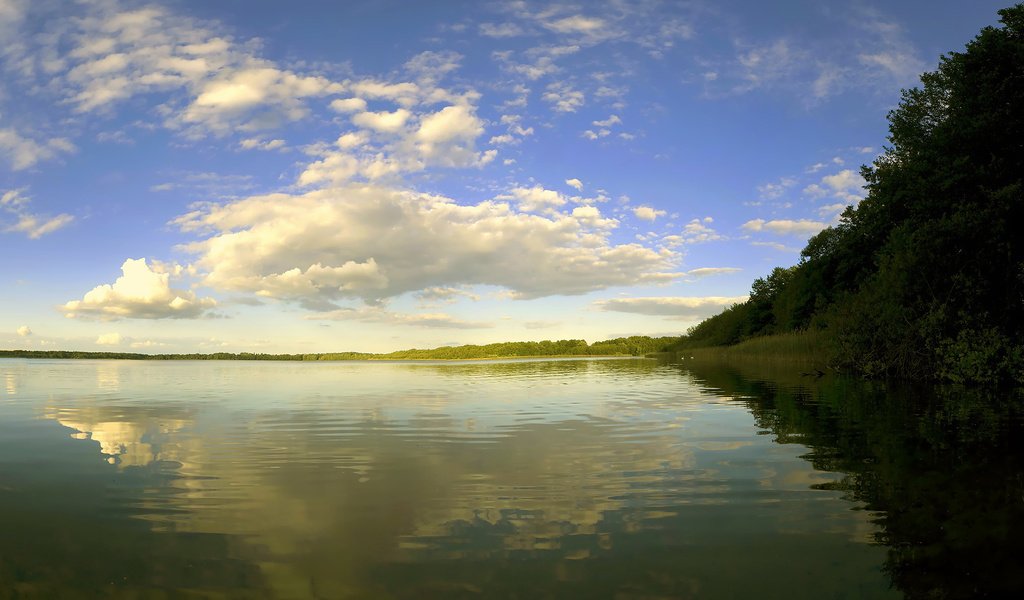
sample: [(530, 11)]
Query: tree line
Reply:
[(637, 345), (924, 278)]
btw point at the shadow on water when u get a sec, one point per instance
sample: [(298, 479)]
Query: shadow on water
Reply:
[(942, 466)]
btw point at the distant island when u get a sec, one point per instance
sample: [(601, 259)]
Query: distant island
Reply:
[(638, 345)]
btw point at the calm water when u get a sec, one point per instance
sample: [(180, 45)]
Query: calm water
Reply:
[(543, 479)]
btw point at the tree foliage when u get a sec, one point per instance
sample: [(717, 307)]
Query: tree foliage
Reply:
[(925, 277)]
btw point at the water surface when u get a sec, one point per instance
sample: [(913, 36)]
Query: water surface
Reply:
[(520, 479)]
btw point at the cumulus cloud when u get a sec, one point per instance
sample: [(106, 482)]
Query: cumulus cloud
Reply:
[(451, 129), (647, 213), (398, 142), (535, 199), (34, 225), (671, 306), (786, 226), (348, 105), (372, 242), (229, 100), (847, 185), (139, 293), (383, 121), (575, 183), (24, 331)]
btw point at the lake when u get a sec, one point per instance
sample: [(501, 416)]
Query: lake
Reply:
[(592, 478)]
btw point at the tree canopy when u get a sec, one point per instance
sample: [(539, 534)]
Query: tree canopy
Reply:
[(925, 276)]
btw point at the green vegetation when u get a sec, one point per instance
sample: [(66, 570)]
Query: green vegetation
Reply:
[(924, 279), (637, 345), (808, 348)]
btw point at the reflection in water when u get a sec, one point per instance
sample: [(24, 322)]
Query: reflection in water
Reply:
[(135, 439), (108, 375), (943, 468), (540, 479)]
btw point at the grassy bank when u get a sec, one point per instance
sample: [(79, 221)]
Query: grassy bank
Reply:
[(806, 348)]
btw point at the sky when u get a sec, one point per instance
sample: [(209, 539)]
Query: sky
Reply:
[(314, 176)]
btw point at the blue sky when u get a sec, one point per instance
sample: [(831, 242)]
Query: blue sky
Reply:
[(371, 176)]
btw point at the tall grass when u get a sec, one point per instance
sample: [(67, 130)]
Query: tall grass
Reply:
[(802, 347)]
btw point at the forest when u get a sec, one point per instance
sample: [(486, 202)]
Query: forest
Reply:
[(924, 278)]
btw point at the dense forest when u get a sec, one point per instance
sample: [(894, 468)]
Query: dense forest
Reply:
[(924, 278), (638, 345)]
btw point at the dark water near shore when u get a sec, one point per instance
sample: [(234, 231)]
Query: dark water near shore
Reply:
[(528, 479)]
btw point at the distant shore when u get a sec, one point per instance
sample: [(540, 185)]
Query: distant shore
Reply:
[(618, 347)]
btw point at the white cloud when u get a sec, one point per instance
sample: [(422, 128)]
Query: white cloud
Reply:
[(776, 246), (647, 213), (450, 124), (397, 142), (697, 231), (500, 30), (109, 339), (254, 98), (786, 226), (901, 65), (847, 185), (577, 24), (563, 97), (139, 293), (611, 120), (258, 144), (24, 331), (709, 271), (372, 243), (671, 306), (404, 93), (348, 105), (34, 225), (23, 153), (376, 314), (832, 209), (771, 191), (574, 183), (535, 199), (445, 294), (431, 66), (383, 121)]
